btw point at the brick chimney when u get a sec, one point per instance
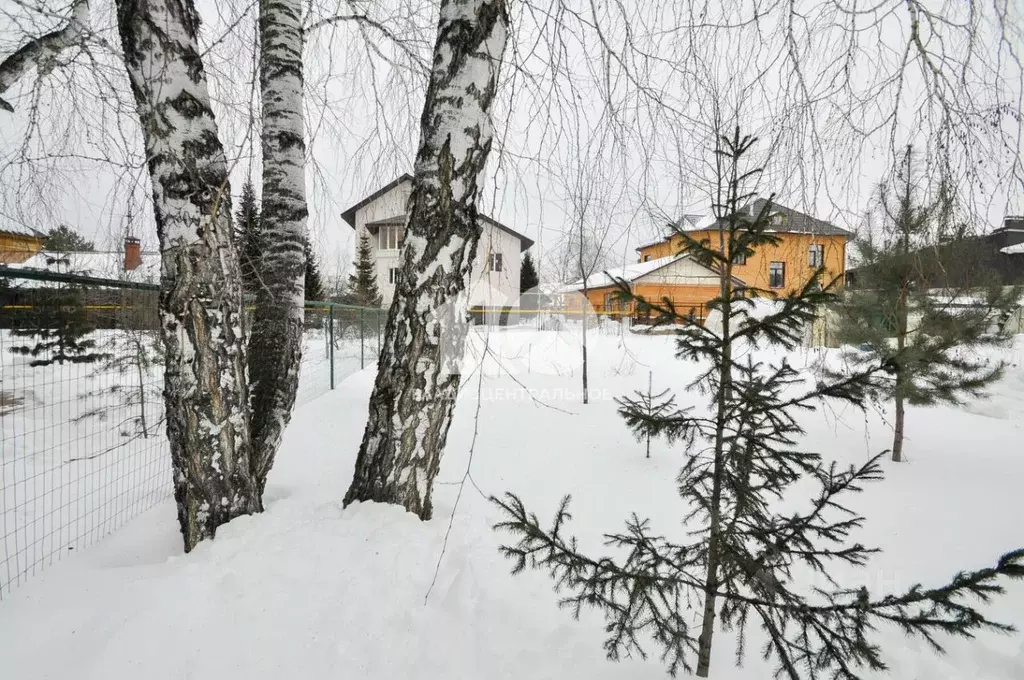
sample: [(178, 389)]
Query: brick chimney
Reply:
[(132, 253)]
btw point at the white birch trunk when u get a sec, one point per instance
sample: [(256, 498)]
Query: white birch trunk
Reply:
[(42, 51), (201, 295), (276, 343), (417, 380)]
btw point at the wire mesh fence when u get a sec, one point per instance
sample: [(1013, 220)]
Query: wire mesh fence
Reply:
[(340, 340), (83, 447)]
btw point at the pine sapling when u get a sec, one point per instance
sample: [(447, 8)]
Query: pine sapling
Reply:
[(130, 375), (747, 557), (924, 304), (652, 415)]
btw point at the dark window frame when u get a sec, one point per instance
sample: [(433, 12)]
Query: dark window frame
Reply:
[(816, 251), (781, 268)]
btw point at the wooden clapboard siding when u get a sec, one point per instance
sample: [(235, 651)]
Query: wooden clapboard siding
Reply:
[(793, 250), (16, 248)]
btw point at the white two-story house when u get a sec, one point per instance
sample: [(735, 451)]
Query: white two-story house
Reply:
[(495, 282)]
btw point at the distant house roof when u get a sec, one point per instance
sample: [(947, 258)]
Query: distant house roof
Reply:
[(20, 230), (106, 265), (629, 273), (349, 215), (793, 222), (398, 220)]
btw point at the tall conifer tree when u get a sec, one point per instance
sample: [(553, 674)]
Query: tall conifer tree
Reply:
[(249, 236), (314, 282), (362, 283), (528, 278)]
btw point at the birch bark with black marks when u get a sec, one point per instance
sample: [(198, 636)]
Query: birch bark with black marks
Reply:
[(417, 380), (205, 391), (42, 51), (275, 347)]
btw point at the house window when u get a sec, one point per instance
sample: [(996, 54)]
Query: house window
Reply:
[(739, 258), (613, 302), (392, 275), (495, 262), (816, 255), (777, 275), (390, 237), (647, 258)]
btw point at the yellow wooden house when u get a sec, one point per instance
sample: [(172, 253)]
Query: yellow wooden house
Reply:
[(18, 243), (805, 245)]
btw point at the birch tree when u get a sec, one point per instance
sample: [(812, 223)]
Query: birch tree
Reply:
[(276, 343), (206, 389), (414, 394)]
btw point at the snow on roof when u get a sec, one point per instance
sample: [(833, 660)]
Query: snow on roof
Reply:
[(20, 230), (109, 265), (629, 272), (687, 222), (1017, 249)]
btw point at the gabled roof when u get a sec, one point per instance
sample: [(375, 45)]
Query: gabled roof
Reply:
[(794, 222), (524, 241), (398, 220), (632, 272), (350, 214)]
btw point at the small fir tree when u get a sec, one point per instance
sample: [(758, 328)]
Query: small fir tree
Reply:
[(59, 323), (653, 415), (249, 239), (924, 303), (314, 282), (67, 240), (132, 371), (362, 283), (749, 556), (528, 278)]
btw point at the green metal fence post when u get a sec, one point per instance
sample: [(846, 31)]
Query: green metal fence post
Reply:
[(330, 336), (362, 339)]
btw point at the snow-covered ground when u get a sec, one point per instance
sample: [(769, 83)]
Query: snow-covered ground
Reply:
[(309, 590), (76, 462)]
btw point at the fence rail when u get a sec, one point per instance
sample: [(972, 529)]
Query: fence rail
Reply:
[(82, 440)]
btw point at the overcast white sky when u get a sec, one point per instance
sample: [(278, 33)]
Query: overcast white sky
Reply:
[(581, 109)]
